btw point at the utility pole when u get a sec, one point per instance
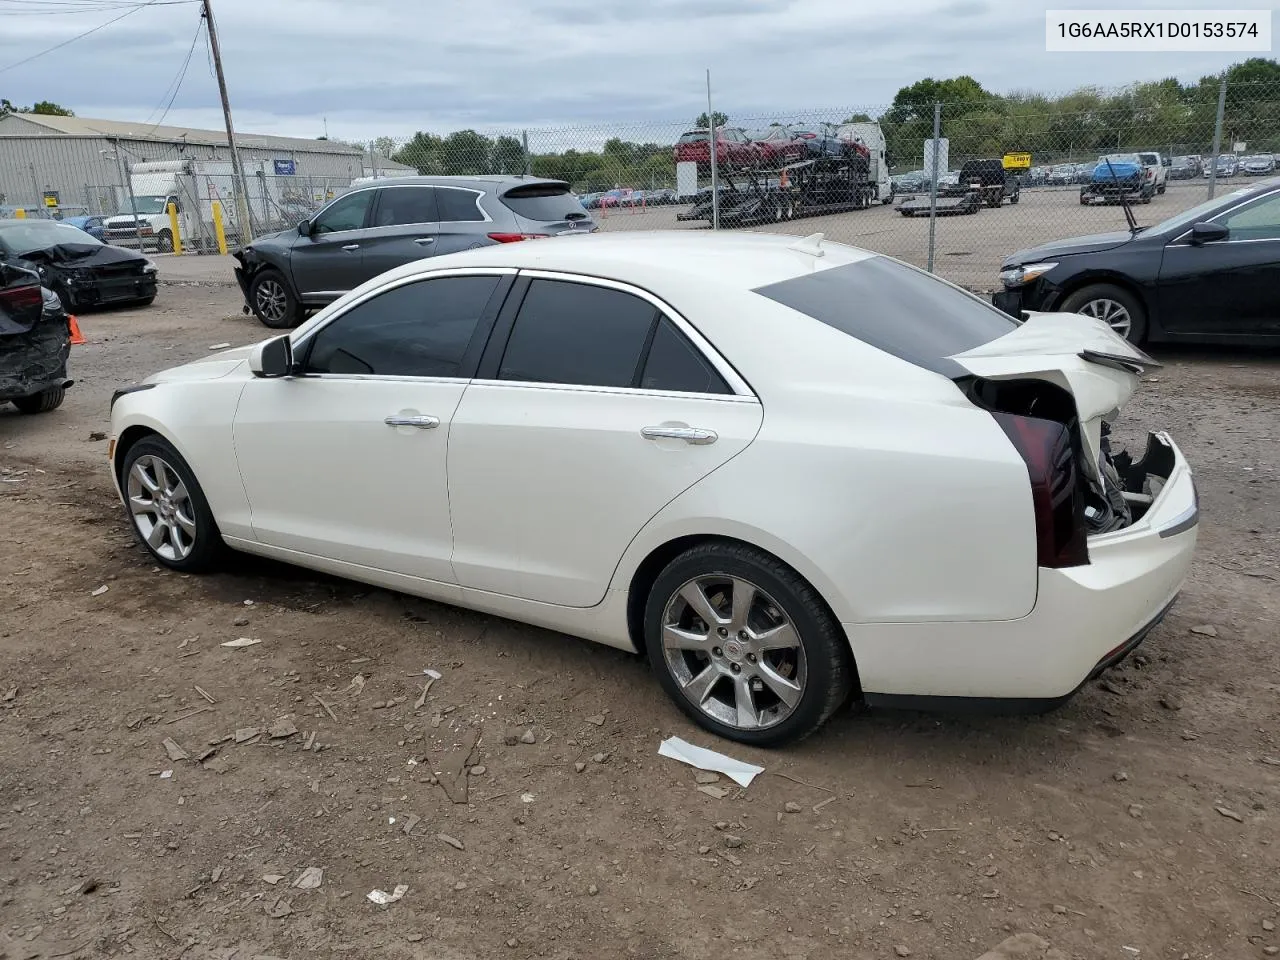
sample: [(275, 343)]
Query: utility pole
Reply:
[(246, 228), (1217, 136)]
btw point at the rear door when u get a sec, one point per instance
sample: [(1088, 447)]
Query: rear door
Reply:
[(328, 262), (463, 224), (403, 228), (1229, 287), (593, 408)]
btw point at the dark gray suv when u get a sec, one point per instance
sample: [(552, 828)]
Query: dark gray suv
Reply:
[(382, 224)]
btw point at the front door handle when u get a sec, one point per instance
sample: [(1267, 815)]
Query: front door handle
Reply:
[(352, 246), (425, 240), (693, 435), (422, 423)]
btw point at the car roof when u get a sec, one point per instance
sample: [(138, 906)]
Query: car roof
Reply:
[(481, 181), (657, 259)]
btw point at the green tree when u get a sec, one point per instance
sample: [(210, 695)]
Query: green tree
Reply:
[(466, 153), (857, 118), (421, 152), (720, 118), (50, 109), (507, 155)]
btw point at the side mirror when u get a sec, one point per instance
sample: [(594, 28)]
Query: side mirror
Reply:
[(272, 358), (304, 228), (1202, 233)]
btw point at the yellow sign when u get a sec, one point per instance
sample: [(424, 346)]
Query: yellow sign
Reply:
[(1017, 161), (51, 199)]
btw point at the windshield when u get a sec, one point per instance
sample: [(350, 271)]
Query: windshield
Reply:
[(693, 136), (1260, 158), (1200, 211), (25, 237), (1120, 158), (149, 205)]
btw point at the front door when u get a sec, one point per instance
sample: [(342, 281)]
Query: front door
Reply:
[(594, 413), (1227, 287), (347, 459), (328, 261)]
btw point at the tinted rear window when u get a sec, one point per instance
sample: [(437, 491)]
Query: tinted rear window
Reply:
[(896, 308), (544, 202)]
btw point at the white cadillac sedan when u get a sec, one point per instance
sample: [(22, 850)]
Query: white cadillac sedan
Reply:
[(787, 471)]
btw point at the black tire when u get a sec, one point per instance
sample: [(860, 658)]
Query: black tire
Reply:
[(42, 402), (1075, 303), (267, 289), (1161, 188), (1013, 198), (164, 242), (828, 662), (207, 547)]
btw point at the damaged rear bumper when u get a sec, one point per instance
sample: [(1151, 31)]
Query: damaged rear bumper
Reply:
[(35, 361), (1086, 618)]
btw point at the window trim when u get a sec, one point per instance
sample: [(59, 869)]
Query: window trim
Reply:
[(475, 349), (350, 193), (487, 373), (480, 195)]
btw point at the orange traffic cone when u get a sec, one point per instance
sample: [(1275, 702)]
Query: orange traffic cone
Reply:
[(76, 336)]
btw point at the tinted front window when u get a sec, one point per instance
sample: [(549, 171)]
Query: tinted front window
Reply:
[(457, 205), (404, 205), (576, 333), (895, 308), (422, 329), (544, 202), (1258, 221), (345, 213), (674, 364)]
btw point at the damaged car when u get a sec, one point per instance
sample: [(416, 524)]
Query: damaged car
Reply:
[(82, 271), (35, 341), (688, 445)]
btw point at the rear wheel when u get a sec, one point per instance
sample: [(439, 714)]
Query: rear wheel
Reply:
[(164, 241), (272, 300), (1114, 305), (1161, 188), (745, 646), (42, 402)]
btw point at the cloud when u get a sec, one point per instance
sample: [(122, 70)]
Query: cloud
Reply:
[(637, 67)]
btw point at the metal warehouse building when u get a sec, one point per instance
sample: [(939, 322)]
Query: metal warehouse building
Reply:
[(76, 165)]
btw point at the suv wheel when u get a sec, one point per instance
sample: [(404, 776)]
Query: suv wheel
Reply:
[(272, 300)]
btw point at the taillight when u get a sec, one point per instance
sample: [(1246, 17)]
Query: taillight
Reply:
[(808, 136), (516, 237), (1045, 446), (22, 298)]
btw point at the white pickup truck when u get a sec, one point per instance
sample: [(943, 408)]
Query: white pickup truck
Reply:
[(1155, 168)]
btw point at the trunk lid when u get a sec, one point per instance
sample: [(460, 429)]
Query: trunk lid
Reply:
[(1080, 354)]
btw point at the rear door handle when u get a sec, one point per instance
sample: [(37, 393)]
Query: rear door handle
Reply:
[(425, 240), (693, 435), (352, 246), (422, 423)]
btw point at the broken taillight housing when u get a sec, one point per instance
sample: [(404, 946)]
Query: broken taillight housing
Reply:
[(1046, 448)]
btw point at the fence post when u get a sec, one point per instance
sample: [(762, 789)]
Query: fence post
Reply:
[(933, 186), (1217, 136), (711, 146), (528, 161)]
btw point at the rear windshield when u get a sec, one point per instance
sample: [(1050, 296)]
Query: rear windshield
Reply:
[(693, 136), (896, 308), (544, 201)]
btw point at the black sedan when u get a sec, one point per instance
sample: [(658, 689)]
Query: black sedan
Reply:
[(1208, 275), (82, 271)]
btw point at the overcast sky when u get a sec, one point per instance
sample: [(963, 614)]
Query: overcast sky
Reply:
[(390, 67)]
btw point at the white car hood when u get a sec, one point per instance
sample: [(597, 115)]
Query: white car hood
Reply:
[(1056, 347), (212, 367)]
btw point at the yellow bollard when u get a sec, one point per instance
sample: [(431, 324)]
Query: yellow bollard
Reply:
[(218, 230), (173, 227), (20, 214)]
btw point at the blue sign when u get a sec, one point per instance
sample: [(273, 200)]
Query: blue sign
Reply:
[(284, 168)]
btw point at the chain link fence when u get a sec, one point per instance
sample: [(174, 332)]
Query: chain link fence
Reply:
[(1004, 173)]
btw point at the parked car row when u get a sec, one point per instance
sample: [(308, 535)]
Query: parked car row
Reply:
[(628, 197)]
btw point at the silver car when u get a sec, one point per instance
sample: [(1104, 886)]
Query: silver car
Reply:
[(382, 224)]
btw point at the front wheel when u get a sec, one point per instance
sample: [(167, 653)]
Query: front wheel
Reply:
[(42, 402), (1115, 306), (745, 646), (167, 508), (164, 242), (273, 302), (1161, 188)]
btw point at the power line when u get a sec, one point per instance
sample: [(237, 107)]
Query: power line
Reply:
[(80, 36), (55, 8), (176, 84)]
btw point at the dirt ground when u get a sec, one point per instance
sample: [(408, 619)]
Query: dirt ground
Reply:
[(1140, 820)]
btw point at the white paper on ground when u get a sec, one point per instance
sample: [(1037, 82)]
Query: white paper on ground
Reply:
[(240, 642), (382, 898), (736, 770)]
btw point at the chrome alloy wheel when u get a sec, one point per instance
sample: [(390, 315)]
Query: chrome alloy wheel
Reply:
[(1111, 313), (161, 508), (733, 653), (271, 301)]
